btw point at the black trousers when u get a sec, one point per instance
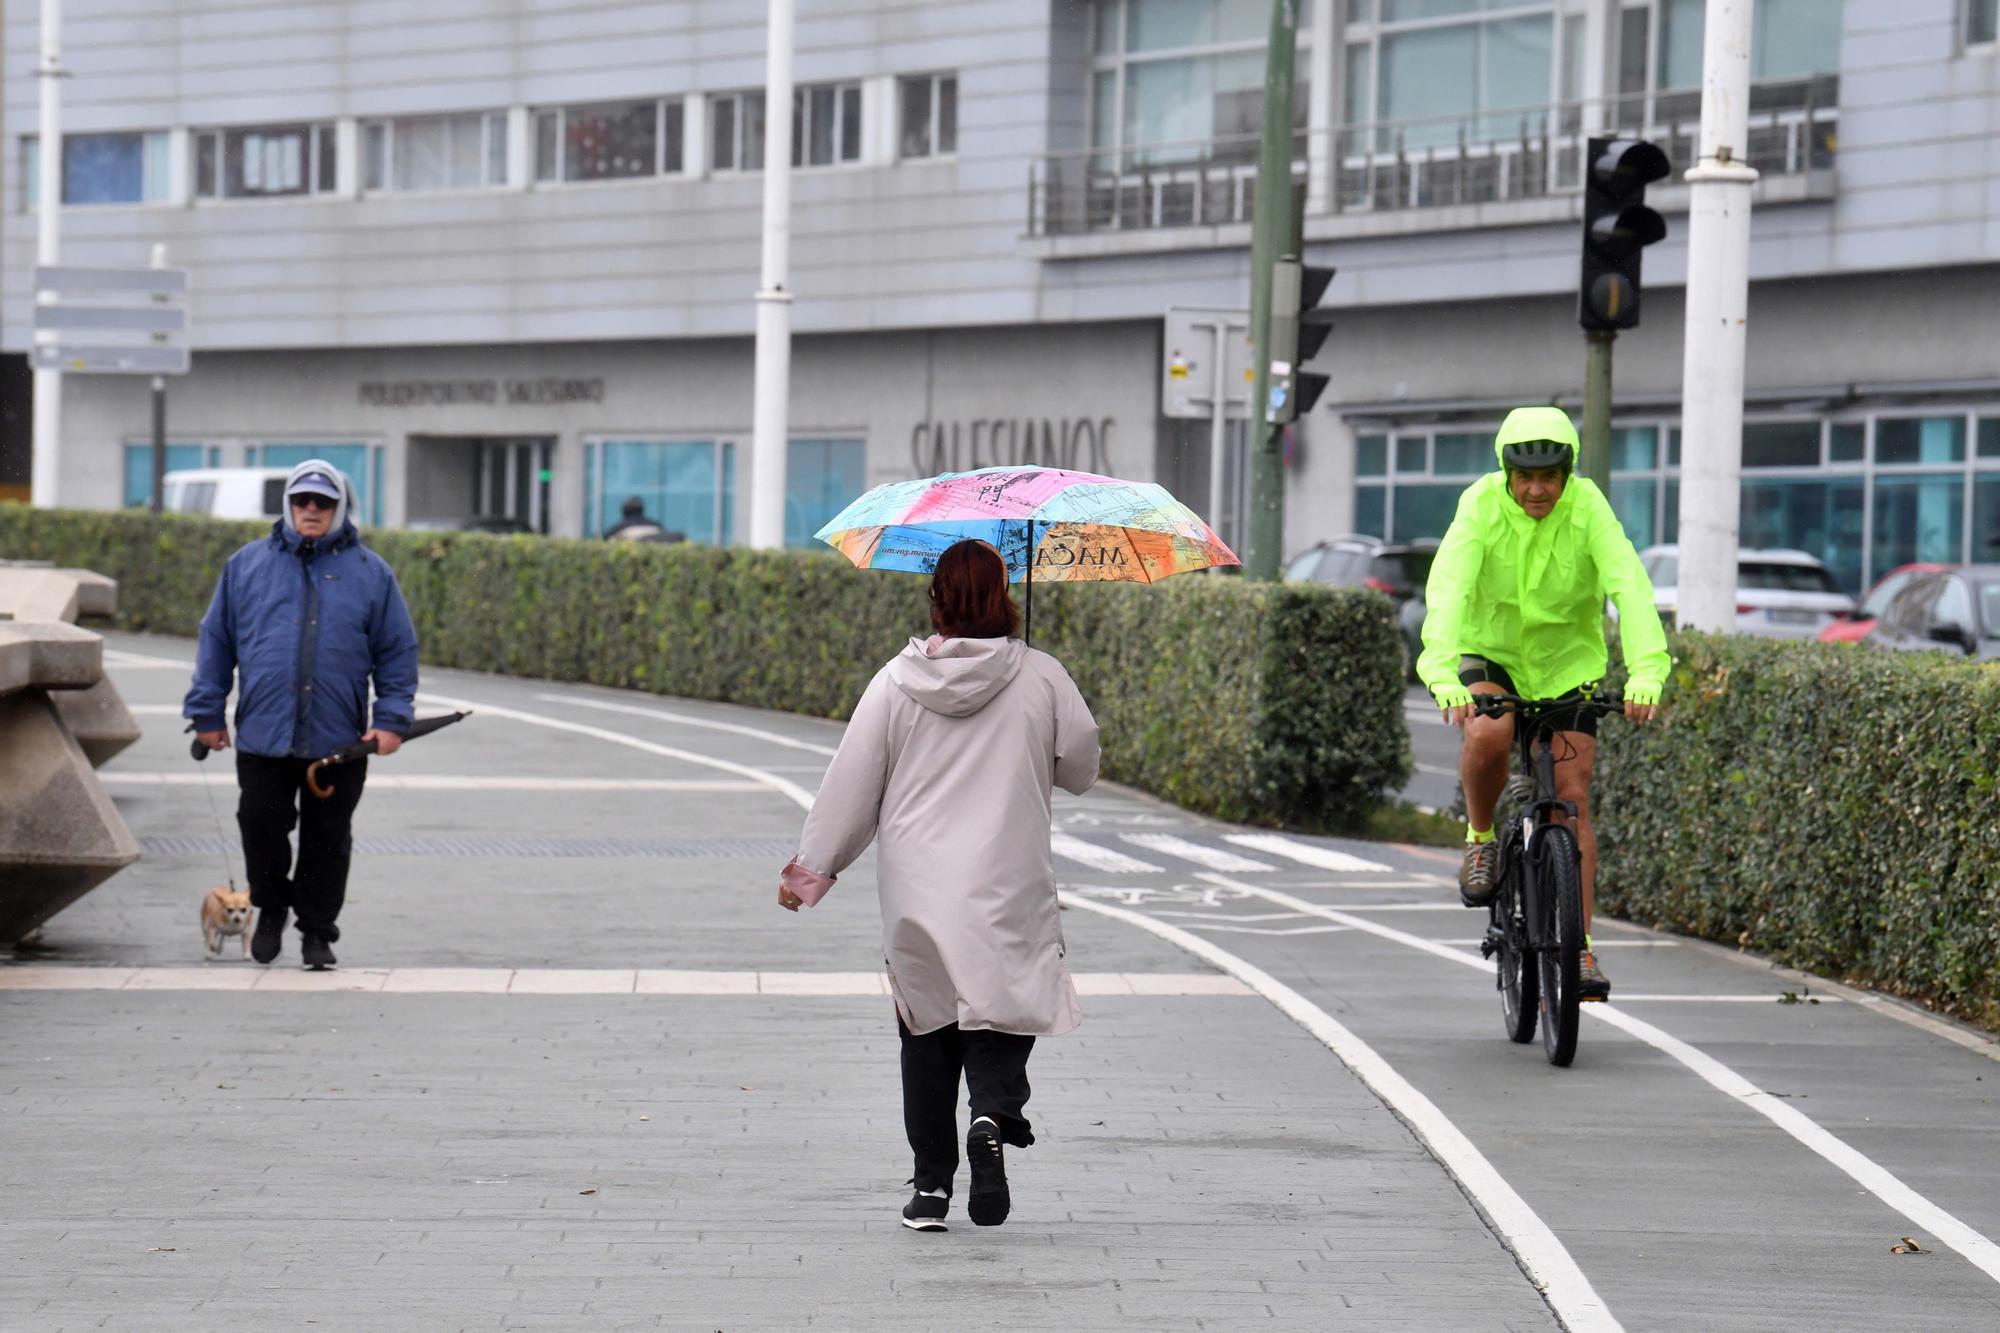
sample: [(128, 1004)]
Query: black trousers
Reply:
[(273, 799), (995, 1065)]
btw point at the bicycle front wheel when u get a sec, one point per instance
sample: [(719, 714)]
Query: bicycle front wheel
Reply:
[(1558, 906), (1520, 980)]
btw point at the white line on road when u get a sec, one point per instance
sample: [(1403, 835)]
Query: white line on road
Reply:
[(1072, 848), (118, 657), (153, 710), (1213, 857), (1870, 1175), (230, 975), (1595, 944), (1541, 1256), (1269, 930), (1326, 858), (1437, 770), (682, 719), (450, 782)]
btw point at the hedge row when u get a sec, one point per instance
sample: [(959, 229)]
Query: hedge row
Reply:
[(1823, 803), (1260, 703)]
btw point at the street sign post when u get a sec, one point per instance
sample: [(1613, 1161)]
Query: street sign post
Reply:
[(116, 321), (1208, 374)]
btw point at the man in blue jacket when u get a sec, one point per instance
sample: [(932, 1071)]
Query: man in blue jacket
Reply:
[(302, 619)]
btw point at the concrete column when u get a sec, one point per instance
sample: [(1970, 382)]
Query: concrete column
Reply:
[(1324, 77), (520, 147), (47, 455), (694, 135)]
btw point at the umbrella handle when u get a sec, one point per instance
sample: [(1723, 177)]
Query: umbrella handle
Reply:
[(1028, 633), (312, 779)]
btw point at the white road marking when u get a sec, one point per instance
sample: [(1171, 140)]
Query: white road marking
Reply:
[(1213, 857), (153, 710), (1232, 916), (1437, 770), (682, 719), (1072, 848), (1597, 944), (1326, 858), (1535, 1247), (1870, 1175), (448, 782), (1623, 998), (118, 657), (1268, 930), (784, 787), (231, 975)]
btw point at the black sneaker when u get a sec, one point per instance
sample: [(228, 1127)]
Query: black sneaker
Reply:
[(925, 1211), (269, 940), (988, 1202), (1475, 873), (316, 954)]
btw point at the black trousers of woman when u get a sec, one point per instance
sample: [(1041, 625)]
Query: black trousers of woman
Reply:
[(995, 1065)]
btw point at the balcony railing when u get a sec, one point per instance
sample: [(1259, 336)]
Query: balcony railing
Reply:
[(1479, 158)]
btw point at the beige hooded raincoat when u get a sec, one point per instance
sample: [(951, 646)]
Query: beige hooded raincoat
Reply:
[(947, 766)]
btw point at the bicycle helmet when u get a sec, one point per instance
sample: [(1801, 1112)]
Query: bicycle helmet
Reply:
[(1533, 437)]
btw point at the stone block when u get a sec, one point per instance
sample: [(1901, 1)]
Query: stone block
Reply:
[(33, 591), (48, 655), (99, 720), (60, 835)]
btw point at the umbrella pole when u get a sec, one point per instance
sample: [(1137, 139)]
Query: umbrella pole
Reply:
[(1028, 636)]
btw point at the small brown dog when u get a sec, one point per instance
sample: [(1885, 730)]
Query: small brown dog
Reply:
[(225, 912)]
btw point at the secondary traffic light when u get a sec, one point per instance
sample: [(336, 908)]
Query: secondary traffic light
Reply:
[(1298, 330), (1617, 227)]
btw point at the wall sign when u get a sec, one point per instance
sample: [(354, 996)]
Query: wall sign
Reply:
[(1081, 444), (545, 392)]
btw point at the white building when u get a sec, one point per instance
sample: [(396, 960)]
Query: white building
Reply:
[(497, 258)]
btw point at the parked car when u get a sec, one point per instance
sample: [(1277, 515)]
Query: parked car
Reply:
[(1397, 570), (1954, 610), (501, 525), (226, 492), (1780, 594), (1855, 628)]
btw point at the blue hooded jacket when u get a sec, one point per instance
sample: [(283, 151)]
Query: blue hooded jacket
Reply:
[(305, 624)]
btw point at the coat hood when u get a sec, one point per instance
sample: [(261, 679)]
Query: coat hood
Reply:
[(1526, 424), (957, 677), (340, 508)]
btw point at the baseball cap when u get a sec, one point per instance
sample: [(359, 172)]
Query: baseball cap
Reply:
[(315, 483)]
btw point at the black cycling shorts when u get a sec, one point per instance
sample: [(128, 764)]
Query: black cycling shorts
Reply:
[(1472, 670)]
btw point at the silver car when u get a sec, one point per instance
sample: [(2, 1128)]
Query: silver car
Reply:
[(1780, 594)]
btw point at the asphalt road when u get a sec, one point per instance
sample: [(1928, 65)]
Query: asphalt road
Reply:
[(577, 1070)]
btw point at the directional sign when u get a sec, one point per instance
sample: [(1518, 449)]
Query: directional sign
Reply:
[(1187, 382), (62, 278), (130, 319), (111, 360)]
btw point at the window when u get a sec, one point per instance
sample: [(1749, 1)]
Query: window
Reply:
[(822, 477), (1183, 80), (687, 486), (102, 168), (826, 124), (1982, 21), (736, 132), (1920, 439), (180, 458), (930, 116), (1917, 518), (264, 162), (416, 153), (1781, 444), (1442, 63), (1788, 39), (609, 140)]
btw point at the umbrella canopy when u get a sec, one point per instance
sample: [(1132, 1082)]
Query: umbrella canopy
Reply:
[(1049, 525)]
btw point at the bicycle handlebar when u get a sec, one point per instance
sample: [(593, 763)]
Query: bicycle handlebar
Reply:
[(1495, 705)]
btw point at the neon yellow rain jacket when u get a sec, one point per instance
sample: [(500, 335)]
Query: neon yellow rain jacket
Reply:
[(1529, 594)]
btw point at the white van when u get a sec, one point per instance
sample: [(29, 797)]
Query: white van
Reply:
[(227, 492)]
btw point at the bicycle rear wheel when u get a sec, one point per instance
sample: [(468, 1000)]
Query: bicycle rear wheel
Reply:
[(1520, 980), (1558, 903)]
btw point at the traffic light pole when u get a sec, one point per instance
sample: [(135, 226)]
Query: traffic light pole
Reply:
[(1270, 237), (1595, 463)]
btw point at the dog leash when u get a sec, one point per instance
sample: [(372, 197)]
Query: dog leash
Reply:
[(200, 752)]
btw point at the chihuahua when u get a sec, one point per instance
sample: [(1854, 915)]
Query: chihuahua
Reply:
[(225, 912)]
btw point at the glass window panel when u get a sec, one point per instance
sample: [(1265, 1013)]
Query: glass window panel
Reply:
[(673, 158), (1673, 446), (1680, 43), (752, 116), (1781, 444), (1632, 30), (822, 477), (1166, 25), (375, 157), (1394, 11), (1989, 429), (1430, 72), (1820, 516), (1847, 442), (205, 165), (722, 127), (423, 153), (139, 468), (677, 481), (850, 123), (264, 161), (1982, 21), (916, 133), (1986, 520), (496, 148), (1917, 518), (1954, 605), (1670, 515), (1919, 439), (947, 119), (610, 141), (1462, 454), (548, 140), (1572, 48), (1515, 61), (467, 148), (1110, 24), (799, 97), (1104, 110), (1184, 102), (327, 161), (1634, 448), (1632, 501), (825, 125), (1370, 505), (1791, 38), (104, 168), (1410, 453), (1424, 511), (1360, 97), (159, 155), (1371, 457)]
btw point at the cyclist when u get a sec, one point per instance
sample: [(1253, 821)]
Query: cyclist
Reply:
[(1516, 606)]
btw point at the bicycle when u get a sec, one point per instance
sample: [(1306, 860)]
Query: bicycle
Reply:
[(1537, 908)]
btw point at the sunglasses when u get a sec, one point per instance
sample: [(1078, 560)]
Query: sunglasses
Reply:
[(309, 500)]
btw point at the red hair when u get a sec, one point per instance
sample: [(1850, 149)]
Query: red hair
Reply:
[(969, 594)]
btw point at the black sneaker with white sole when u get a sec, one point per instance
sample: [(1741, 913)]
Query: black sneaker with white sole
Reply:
[(988, 1202), (925, 1211), (316, 954), (268, 940)]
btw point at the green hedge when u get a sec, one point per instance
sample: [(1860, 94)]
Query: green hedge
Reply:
[(1278, 704), (1827, 804)]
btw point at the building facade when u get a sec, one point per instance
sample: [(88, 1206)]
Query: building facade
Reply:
[(497, 259)]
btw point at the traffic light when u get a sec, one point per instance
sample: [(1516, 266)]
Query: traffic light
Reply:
[(1298, 330), (1617, 227)]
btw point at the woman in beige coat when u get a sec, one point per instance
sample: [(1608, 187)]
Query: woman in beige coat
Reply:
[(947, 766)]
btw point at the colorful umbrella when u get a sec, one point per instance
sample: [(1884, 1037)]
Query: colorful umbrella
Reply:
[(1048, 524)]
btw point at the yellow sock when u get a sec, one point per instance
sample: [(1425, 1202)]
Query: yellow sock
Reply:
[(1478, 835)]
